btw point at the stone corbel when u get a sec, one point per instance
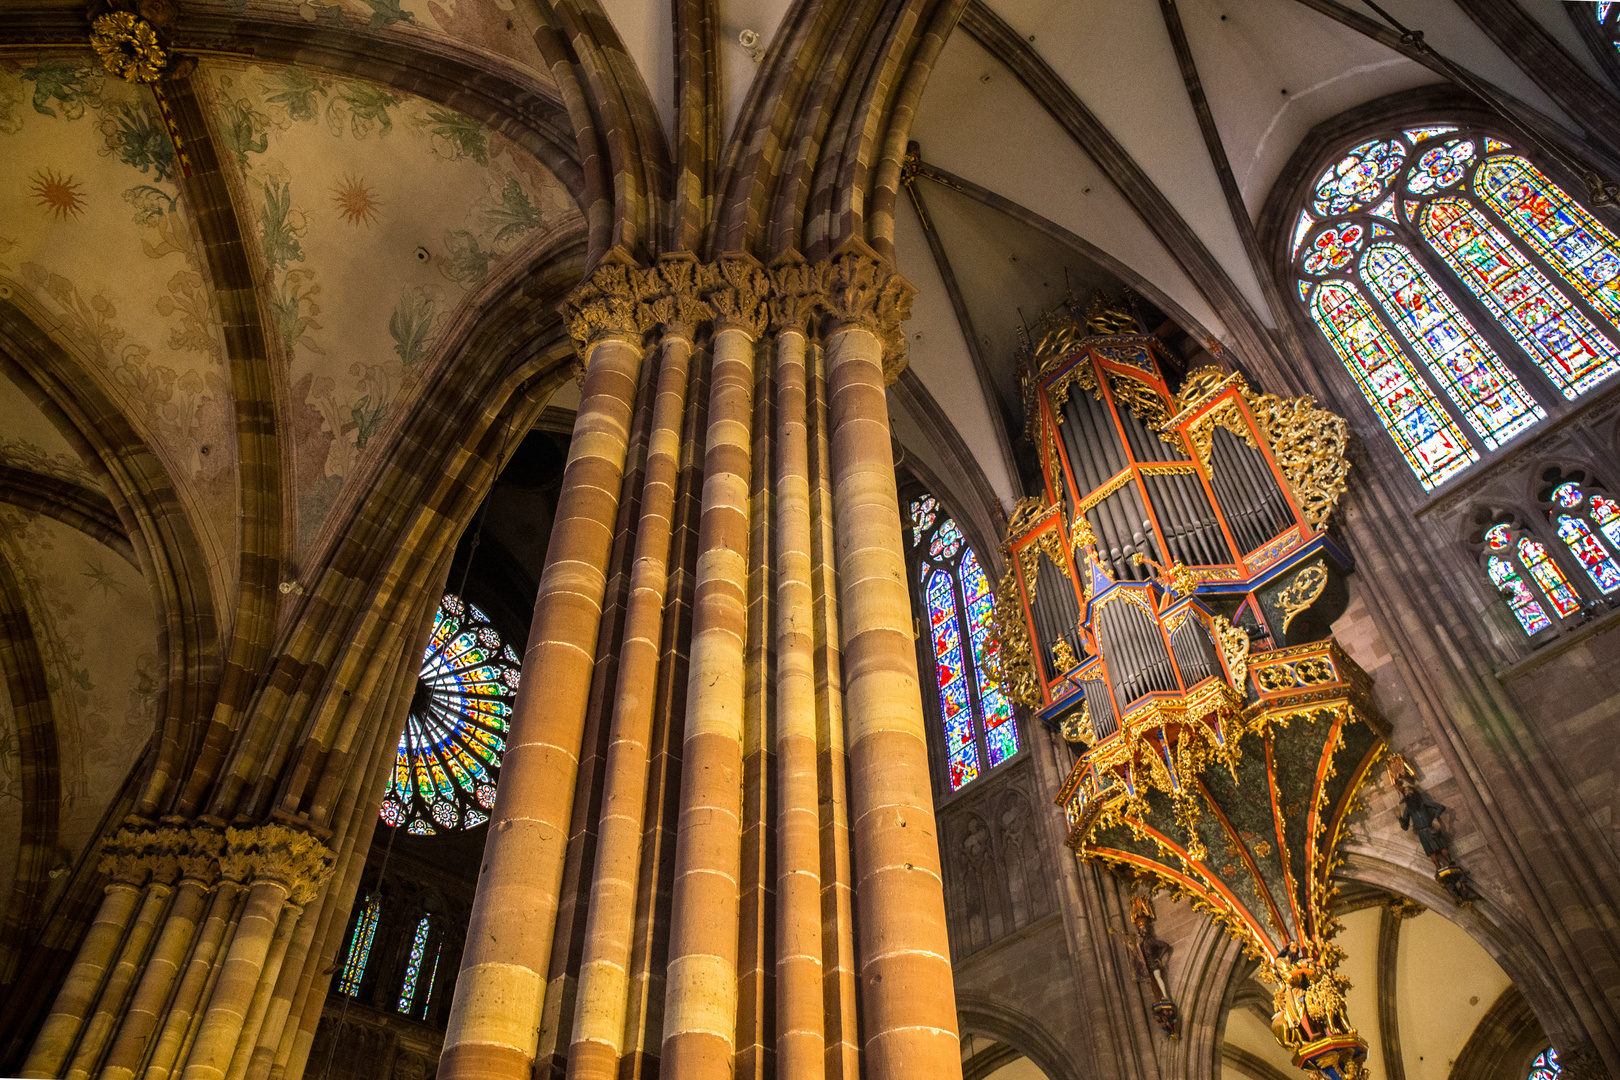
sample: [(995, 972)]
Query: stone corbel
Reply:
[(737, 295), (865, 291)]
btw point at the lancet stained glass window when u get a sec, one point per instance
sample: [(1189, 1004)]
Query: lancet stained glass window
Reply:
[(413, 965), (1589, 525), (450, 752), (1521, 599), (1464, 290), (980, 731), (354, 962)]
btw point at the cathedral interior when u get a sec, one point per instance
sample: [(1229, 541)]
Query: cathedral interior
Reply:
[(853, 539)]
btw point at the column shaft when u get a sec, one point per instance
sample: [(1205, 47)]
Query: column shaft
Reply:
[(649, 951), (907, 998), (599, 1015), (838, 980), (756, 937), (800, 1027), (152, 994), (120, 980), (238, 978), (195, 982), (495, 1013), (269, 977), (82, 986), (700, 1001)]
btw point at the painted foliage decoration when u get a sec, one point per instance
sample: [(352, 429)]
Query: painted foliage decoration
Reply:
[(450, 752), (980, 731), (1462, 288)]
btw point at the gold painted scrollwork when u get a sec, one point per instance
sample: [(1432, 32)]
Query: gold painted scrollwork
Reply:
[(1302, 592), (1234, 644), (1011, 660), (1310, 445), (1147, 403)]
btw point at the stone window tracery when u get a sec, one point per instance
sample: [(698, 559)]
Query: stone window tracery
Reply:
[(1466, 293), (1529, 579), (455, 733), (1587, 519), (1546, 1066), (956, 602)]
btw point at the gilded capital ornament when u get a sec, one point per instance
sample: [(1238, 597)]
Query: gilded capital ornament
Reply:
[(798, 292), (737, 294)]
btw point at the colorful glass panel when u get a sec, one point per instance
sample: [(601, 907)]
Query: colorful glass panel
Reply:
[(924, 512), (1441, 167), (1533, 553), (1568, 495), (1590, 553), (1561, 340), (1334, 248), (1304, 289), (413, 967), (947, 541), (455, 733), (433, 977), (1498, 538), (1606, 513), (1489, 395), (1418, 134), (961, 748), (1301, 227), (1430, 440), (1359, 178), (1000, 729), (1546, 1066), (1521, 601), (1386, 209), (1494, 145), (365, 930), (1569, 238)]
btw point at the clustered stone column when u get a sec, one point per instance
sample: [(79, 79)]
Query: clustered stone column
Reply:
[(797, 580), (148, 994)]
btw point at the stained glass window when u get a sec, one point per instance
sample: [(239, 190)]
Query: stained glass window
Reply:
[(1434, 447), (455, 733), (1535, 311), (1545, 1067), (1481, 233), (1574, 528), (1533, 554), (980, 731), (413, 965), (1493, 401), (365, 931)]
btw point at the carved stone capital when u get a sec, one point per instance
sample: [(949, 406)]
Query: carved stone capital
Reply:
[(798, 292), (737, 294), (610, 301), (678, 305), (124, 857), (865, 291), (277, 853)]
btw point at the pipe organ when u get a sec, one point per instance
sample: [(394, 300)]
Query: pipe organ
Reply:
[(1167, 605)]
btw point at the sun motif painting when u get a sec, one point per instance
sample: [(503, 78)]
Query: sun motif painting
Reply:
[(455, 733), (61, 196), (356, 203)]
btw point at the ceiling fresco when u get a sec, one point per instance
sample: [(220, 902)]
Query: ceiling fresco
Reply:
[(92, 618), (375, 213), (95, 238)]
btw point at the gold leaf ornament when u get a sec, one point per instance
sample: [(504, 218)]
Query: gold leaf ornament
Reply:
[(128, 47)]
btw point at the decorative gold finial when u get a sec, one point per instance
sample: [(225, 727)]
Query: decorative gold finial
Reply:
[(128, 47)]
